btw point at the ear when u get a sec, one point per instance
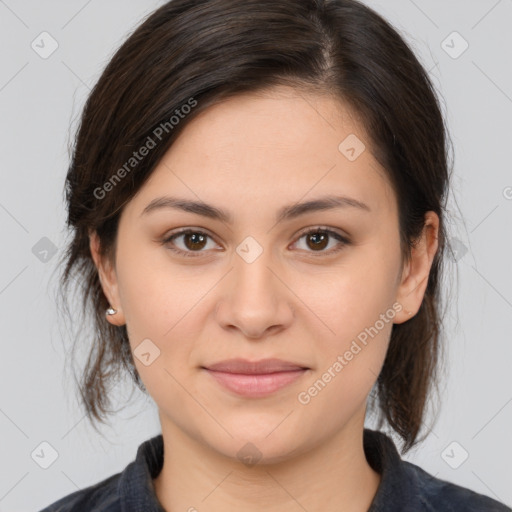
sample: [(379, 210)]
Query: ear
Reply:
[(108, 280), (415, 274)]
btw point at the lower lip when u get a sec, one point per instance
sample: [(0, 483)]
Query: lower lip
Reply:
[(256, 385)]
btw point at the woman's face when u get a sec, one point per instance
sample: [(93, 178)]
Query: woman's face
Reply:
[(255, 286)]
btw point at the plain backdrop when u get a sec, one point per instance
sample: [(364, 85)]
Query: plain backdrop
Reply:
[(467, 48)]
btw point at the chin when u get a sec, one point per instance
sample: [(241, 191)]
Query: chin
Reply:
[(259, 453), (260, 442)]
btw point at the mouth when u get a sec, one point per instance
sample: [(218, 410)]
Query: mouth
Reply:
[(255, 379)]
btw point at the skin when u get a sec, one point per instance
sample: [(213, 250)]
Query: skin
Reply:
[(253, 154)]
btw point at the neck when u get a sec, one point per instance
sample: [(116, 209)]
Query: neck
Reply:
[(332, 477)]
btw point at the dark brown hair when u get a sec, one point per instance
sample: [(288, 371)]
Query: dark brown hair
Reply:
[(196, 53)]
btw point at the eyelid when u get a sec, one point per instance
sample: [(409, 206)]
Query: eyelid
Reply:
[(342, 239), (324, 229), (168, 238)]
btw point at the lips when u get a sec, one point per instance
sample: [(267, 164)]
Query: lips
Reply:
[(261, 367), (255, 379)]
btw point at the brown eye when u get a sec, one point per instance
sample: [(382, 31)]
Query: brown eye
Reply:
[(318, 239), (193, 241)]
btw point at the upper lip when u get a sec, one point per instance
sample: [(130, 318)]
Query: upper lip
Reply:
[(262, 366)]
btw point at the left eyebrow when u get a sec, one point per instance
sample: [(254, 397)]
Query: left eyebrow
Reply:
[(286, 213)]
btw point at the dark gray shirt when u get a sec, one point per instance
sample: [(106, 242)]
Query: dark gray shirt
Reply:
[(404, 487)]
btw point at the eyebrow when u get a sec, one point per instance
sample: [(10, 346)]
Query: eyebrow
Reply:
[(286, 213)]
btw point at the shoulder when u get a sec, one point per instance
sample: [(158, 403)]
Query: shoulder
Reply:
[(443, 496), (100, 497), (405, 487), (119, 492)]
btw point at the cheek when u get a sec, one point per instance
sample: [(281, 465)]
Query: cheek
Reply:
[(148, 289), (355, 306), (352, 298), (348, 361), (161, 307)]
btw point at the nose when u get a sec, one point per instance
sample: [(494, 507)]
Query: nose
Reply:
[(255, 299)]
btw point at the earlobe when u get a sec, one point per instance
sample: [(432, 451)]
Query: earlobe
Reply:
[(108, 281), (415, 277)]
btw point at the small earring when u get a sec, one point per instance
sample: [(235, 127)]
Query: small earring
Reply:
[(111, 311), (409, 312)]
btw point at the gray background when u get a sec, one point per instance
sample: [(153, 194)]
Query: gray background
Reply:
[(40, 99)]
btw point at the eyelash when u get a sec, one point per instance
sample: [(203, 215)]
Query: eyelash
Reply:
[(343, 241)]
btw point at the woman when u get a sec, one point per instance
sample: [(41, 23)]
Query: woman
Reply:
[(257, 194)]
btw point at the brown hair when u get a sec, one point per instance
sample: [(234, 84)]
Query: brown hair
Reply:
[(199, 52)]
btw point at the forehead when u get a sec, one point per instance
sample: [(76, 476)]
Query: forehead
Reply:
[(280, 144), (278, 119)]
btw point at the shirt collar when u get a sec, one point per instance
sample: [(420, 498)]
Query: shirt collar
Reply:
[(397, 485), (137, 491), (135, 487)]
